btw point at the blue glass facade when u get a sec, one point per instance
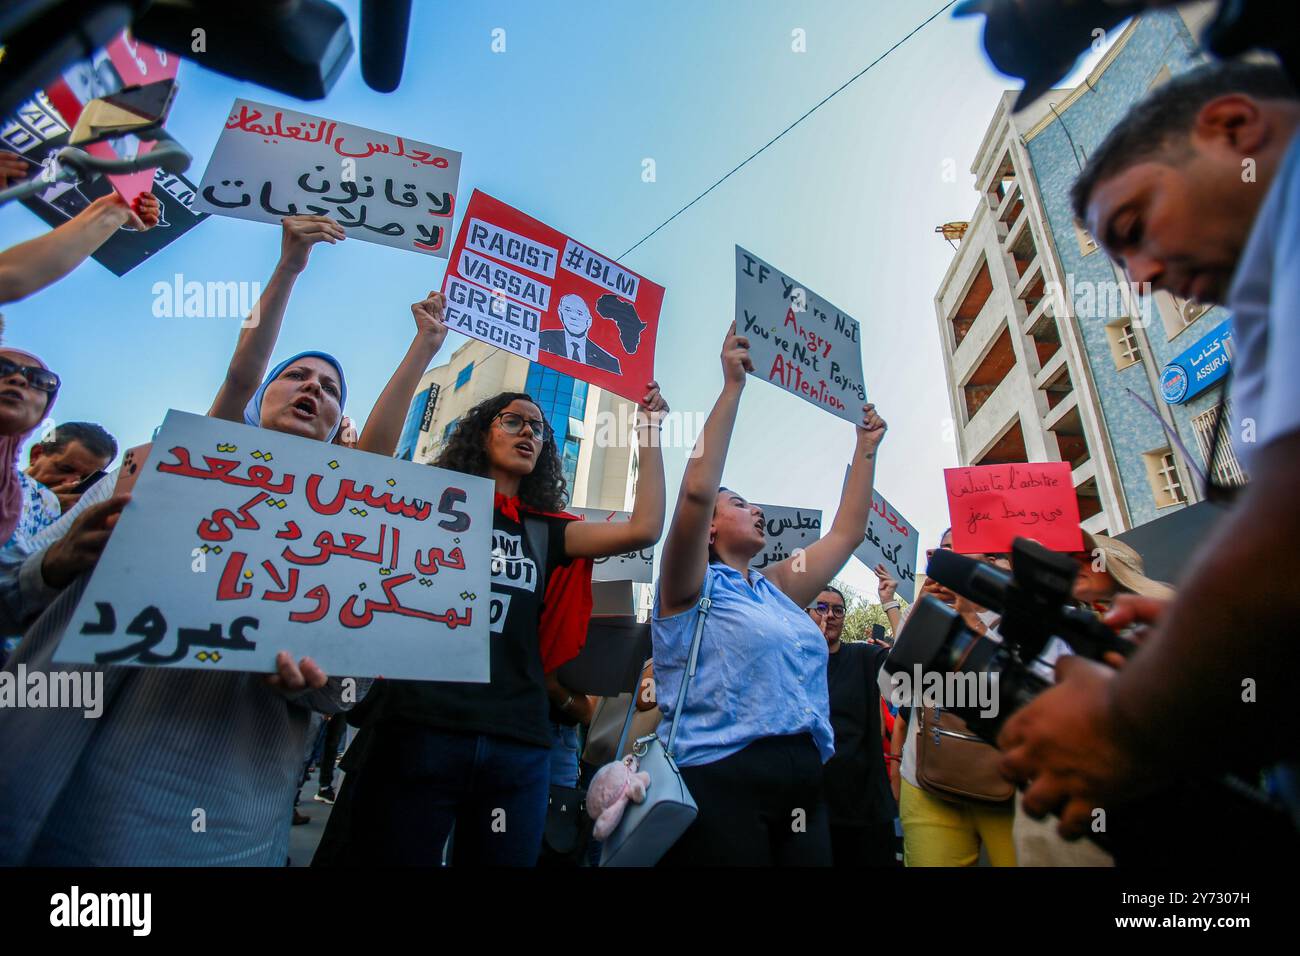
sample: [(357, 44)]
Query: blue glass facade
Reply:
[(560, 398), (1158, 41), (411, 427)]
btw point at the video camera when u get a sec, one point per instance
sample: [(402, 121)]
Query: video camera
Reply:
[(1036, 605)]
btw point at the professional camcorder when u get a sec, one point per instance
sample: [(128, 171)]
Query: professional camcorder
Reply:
[(1036, 605)]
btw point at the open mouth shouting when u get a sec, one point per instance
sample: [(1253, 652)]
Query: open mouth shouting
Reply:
[(305, 408), (526, 448)]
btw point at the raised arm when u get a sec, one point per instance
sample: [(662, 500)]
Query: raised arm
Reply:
[(384, 424), (887, 588), (592, 539), (686, 549), (31, 266), (259, 332), (802, 577)]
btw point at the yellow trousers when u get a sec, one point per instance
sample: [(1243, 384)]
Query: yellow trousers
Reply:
[(939, 832)]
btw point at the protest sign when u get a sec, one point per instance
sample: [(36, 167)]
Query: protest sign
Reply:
[(272, 162), (124, 61), (240, 542), (787, 529), (37, 131), (798, 340), (990, 505), (890, 540), (635, 566), (518, 284)]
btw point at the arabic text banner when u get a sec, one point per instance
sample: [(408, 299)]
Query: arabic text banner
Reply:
[(272, 162), (890, 540), (798, 340), (635, 566), (787, 529), (991, 505), (241, 542), (37, 131), (518, 284)]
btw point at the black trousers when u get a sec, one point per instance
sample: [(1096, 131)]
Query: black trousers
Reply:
[(872, 844), (334, 730), (762, 806)]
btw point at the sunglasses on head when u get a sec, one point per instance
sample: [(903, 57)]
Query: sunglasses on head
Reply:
[(38, 378), (513, 424), (834, 610)]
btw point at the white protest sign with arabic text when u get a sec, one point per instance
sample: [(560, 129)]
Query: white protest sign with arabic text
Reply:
[(890, 540), (240, 542), (787, 530), (634, 566), (272, 162), (798, 340)]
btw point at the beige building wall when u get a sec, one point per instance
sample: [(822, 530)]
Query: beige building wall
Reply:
[(1001, 377)]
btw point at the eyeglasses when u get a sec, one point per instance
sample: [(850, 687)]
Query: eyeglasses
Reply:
[(513, 424), (38, 378), (833, 610)]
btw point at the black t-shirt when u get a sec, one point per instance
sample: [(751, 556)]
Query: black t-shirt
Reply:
[(514, 704), (857, 783)]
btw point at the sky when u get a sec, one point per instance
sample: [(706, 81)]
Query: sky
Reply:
[(559, 125)]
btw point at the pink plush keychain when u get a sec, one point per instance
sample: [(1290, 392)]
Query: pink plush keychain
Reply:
[(613, 786)]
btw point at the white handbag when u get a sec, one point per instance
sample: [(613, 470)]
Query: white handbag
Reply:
[(649, 829)]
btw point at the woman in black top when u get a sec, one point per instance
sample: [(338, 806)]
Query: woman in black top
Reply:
[(478, 755)]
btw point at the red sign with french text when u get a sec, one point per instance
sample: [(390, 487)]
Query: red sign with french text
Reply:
[(991, 505)]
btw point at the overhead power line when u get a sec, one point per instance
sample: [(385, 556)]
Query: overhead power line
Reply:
[(822, 102)]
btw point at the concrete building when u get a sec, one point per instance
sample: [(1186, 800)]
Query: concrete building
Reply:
[(599, 474), (1049, 354)]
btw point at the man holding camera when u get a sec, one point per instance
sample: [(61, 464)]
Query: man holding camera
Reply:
[(1196, 191)]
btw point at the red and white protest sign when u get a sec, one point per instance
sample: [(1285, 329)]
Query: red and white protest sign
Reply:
[(124, 61), (522, 286), (991, 505)]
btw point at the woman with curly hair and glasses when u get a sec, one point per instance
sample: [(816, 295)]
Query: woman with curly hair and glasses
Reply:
[(434, 754)]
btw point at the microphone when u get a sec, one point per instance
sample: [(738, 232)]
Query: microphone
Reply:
[(384, 26), (169, 155)]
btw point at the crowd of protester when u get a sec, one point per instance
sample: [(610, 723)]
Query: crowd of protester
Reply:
[(792, 739)]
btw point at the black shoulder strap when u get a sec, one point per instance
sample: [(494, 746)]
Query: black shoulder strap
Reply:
[(538, 532)]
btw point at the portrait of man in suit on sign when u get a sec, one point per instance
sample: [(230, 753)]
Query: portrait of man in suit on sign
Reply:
[(572, 342)]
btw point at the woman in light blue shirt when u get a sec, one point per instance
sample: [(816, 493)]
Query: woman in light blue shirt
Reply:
[(755, 727)]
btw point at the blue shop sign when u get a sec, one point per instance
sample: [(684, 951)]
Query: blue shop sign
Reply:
[(1195, 370)]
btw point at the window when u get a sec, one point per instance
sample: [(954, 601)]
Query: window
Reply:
[(1123, 343), (1087, 244), (464, 375), (1227, 469), (451, 427), (1177, 314), (1162, 474)]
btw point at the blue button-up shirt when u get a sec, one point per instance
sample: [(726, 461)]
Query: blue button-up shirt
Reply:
[(761, 671)]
